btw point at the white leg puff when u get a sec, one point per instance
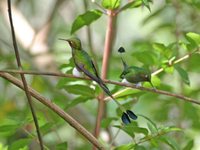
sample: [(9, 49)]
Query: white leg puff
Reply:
[(77, 73)]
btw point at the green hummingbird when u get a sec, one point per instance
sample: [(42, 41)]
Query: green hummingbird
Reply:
[(134, 74), (85, 64)]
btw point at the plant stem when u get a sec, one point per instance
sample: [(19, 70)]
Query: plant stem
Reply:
[(105, 65), (54, 108), (23, 77)]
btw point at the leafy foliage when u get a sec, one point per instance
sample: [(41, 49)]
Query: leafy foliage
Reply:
[(166, 41)]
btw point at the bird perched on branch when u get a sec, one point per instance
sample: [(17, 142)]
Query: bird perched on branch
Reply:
[(84, 63), (134, 74)]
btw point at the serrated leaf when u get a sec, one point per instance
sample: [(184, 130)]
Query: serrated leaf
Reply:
[(19, 144), (193, 38), (183, 74), (79, 89), (189, 145), (111, 4), (62, 146), (77, 101), (85, 19)]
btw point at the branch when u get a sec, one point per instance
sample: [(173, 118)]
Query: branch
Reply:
[(56, 109), (105, 64), (176, 61), (23, 77), (179, 96)]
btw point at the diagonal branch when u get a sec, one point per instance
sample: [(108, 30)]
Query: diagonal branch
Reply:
[(23, 77), (179, 96), (55, 108)]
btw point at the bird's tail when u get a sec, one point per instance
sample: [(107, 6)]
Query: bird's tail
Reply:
[(107, 91)]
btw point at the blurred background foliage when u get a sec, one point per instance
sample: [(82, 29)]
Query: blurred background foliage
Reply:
[(152, 39)]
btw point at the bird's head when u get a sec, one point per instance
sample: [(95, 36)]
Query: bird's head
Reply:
[(73, 42), (148, 79)]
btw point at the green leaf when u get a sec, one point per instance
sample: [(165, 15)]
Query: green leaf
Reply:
[(85, 19), (183, 74), (151, 126), (133, 128), (132, 4), (19, 144), (159, 47), (193, 38), (170, 129), (126, 92), (79, 89), (77, 101), (189, 145), (169, 141), (129, 146), (146, 4), (46, 127), (145, 57), (10, 128), (61, 146), (107, 121), (111, 4)]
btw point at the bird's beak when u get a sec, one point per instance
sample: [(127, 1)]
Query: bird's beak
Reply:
[(152, 85), (63, 39)]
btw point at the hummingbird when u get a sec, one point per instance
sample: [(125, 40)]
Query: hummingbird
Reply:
[(85, 64), (134, 74)]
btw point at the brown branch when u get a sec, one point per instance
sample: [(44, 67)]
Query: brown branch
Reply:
[(56, 109), (23, 77), (179, 96), (105, 65)]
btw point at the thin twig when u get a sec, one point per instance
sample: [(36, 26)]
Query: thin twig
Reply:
[(179, 96), (23, 77), (176, 61), (56, 109)]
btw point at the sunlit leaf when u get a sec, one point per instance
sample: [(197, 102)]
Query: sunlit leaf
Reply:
[(85, 19), (111, 4), (132, 4), (193, 38), (126, 92)]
